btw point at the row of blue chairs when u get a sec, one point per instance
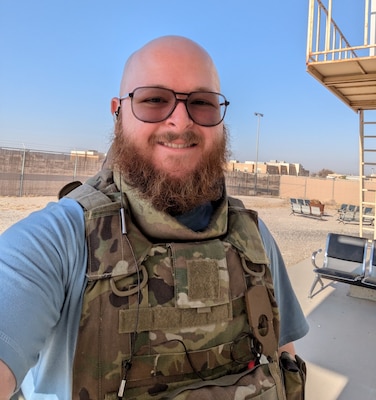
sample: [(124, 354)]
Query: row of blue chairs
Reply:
[(300, 201), (351, 213), (306, 207)]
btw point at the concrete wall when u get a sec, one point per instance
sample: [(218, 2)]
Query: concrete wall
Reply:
[(328, 191)]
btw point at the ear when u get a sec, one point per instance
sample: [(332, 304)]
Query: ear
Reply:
[(115, 104)]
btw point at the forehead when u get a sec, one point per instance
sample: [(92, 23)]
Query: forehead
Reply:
[(178, 65)]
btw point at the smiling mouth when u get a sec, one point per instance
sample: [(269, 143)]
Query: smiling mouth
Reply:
[(177, 145)]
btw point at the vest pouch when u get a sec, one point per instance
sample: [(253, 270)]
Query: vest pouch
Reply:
[(262, 382), (294, 375)]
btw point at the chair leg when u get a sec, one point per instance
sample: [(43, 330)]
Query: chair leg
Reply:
[(317, 279)]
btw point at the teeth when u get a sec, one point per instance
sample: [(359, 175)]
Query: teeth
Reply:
[(177, 146)]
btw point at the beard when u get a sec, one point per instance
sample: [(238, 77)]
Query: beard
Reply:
[(173, 195)]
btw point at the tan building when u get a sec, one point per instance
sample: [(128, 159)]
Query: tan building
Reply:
[(272, 167), (90, 154)]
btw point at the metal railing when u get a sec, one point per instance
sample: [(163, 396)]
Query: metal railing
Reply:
[(326, 42)]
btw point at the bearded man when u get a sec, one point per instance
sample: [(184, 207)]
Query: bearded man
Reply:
[(136, 284)]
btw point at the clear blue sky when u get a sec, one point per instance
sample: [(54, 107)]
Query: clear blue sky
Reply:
[(61, 63)]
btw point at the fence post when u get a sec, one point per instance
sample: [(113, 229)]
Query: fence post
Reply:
[(75, 167), (22, 177)]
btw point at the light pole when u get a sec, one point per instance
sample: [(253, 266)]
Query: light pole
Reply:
[(259, 116)]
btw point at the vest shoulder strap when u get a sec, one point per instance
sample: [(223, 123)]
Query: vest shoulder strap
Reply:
[(234, 202), (238, 205), (88, 196)]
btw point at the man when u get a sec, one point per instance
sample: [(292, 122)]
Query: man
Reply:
[(165, 169)]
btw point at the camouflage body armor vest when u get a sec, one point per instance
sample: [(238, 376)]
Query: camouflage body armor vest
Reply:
[(166, 307)]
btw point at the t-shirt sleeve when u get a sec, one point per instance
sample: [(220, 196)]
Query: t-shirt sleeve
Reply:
[(293, 324), (39, 256)]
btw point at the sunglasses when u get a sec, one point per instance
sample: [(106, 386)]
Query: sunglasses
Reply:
[(155, 104)]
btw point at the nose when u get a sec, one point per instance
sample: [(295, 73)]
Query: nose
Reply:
[(180, 117)]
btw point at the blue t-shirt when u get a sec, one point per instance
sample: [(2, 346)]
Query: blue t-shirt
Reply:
[(43, 263)]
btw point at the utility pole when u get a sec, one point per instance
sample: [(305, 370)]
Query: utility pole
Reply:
[(259, 116)]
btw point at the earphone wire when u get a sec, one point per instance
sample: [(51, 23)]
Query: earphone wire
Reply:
[(127, 364)]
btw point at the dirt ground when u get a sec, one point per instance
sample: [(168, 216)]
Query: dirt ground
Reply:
[(297, 236)]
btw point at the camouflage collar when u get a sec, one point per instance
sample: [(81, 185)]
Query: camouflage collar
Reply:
[(152, 222)]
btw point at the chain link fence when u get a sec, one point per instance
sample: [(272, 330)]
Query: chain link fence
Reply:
[(244, 184), (27, 172)]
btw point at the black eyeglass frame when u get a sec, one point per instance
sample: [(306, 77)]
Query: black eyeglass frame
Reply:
[(224, 104)]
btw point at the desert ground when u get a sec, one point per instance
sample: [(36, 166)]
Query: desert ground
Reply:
[(297, 236)]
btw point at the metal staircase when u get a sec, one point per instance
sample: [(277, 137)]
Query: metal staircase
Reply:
[(349, 72)]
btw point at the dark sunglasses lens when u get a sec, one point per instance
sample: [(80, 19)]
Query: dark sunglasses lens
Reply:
[(152, 104), (206, 108)]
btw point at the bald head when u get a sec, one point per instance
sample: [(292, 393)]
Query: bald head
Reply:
[(155, 149), (167, 61)]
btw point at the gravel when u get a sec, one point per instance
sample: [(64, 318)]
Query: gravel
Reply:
[(297, 236)]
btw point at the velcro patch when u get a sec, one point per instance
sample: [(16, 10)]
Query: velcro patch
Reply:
[(203, 279)]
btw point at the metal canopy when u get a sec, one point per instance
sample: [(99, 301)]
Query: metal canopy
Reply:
[(352, 80)]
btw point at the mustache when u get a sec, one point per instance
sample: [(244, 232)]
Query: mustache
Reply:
[(188, 137)]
